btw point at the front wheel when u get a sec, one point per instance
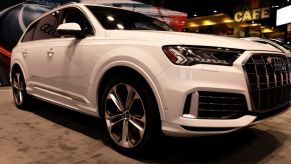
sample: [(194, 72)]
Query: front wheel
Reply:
[(130, 115)]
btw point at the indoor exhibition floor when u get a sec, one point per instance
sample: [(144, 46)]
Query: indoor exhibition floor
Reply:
[(46, 133)]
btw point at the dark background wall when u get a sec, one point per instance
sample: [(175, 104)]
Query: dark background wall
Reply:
[(12, 25), (4, 60), (7, 3)]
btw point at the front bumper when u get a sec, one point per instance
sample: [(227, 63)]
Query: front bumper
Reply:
[(205, 126), (177, 82)]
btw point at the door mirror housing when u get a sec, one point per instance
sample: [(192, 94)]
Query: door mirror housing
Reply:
[(70, 29)]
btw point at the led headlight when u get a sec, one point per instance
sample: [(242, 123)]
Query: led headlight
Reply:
[(190, 55)]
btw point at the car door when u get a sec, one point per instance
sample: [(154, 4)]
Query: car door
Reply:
[(68, 60), (34, 49)]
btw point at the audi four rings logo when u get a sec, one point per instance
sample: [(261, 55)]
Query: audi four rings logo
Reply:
[(47, 28), (276, 63)]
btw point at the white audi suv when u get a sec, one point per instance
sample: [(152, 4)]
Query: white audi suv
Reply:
[(143, 78)]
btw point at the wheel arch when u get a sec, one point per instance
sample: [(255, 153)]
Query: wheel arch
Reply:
[(132, 70)]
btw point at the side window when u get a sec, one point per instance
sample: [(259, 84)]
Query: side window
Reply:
[(29, 33), (73, 15), (46, 27)]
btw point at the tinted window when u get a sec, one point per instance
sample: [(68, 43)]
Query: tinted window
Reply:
[(29, 33), (46, 27), (112, 18)]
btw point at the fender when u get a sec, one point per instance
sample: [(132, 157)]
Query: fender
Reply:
[(152, 82), (133, 63)]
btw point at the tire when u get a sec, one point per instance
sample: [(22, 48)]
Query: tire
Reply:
[(130, 115), (20, 95)]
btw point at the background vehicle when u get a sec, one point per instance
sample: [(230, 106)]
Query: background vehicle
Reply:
[(281, 43), (143, 78), (270, 42)]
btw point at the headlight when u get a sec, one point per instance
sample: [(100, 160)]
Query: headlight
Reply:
[(190, 55)]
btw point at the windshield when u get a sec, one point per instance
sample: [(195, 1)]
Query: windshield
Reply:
[(118, 19)]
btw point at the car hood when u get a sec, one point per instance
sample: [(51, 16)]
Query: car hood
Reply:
[(166, 37)]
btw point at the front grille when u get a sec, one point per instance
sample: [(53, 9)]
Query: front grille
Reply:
[(269, 81), (221, 105)]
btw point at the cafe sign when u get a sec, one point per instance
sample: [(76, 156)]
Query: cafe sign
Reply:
[(250, 15)]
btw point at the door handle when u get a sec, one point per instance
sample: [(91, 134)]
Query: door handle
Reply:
[(24, 53), (50, 53)]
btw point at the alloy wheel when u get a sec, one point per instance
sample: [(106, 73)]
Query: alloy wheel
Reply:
[(18, 88), (125, 115)]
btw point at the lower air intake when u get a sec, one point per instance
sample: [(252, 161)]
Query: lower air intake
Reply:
[(217, 105)]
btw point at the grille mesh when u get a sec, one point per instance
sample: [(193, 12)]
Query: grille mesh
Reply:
[(221, 105), (269, 80)]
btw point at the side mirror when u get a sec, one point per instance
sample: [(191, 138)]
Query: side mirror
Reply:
[(71, 29)]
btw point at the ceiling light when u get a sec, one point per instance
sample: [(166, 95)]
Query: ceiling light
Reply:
[(120, 26), (110, 18), (195, 15), (266, 30), (227, 20), (215, 11), (208, 22)]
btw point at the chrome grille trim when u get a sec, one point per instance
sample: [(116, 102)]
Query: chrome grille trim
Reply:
[(268, 78)]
